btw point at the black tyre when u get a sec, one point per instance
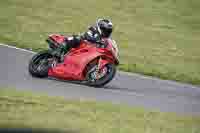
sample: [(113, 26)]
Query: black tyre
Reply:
[(38, 65), (110, 74)]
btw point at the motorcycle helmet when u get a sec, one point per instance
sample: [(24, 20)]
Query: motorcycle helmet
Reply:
[(104, 27)]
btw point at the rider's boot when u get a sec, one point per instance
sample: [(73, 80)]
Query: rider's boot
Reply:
[(60, 51)]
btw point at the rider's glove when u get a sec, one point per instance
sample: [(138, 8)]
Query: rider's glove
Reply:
[(101, 44)]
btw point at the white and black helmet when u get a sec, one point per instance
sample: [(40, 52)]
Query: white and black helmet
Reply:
[(104, 27)]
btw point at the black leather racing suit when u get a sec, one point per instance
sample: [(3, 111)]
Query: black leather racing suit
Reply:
[(92, 35)]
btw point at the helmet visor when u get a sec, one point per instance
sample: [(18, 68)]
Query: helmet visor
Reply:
[(106, 32)]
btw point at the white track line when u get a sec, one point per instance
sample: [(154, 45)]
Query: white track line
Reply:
[(25, 50)]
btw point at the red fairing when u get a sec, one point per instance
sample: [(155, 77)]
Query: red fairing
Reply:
[(57, 38), (77, 59), (111, 51)]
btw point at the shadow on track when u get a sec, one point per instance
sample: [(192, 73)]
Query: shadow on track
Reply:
[(108, 87)]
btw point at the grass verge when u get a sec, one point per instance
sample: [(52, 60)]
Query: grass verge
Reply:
[(29, 110), (156, 37)]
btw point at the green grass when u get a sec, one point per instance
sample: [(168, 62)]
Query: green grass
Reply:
[(156, 37), (30, 110)]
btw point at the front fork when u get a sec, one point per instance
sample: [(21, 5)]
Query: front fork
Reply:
[(102, 63), (99, 66), (101, 69)]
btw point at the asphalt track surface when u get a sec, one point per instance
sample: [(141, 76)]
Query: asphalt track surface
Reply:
[(129, 89)]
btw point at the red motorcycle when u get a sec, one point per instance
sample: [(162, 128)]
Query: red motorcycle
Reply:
[(91, 64)]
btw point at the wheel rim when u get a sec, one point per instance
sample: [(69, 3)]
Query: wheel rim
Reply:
[(94, 75), (40, 63)]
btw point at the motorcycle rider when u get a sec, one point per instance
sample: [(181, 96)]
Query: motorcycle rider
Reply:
[(102, 29)]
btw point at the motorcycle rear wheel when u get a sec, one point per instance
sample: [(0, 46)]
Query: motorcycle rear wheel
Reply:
[(38, 65)]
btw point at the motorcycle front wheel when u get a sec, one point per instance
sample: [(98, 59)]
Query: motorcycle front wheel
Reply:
[(105, 79), (39, 64)]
